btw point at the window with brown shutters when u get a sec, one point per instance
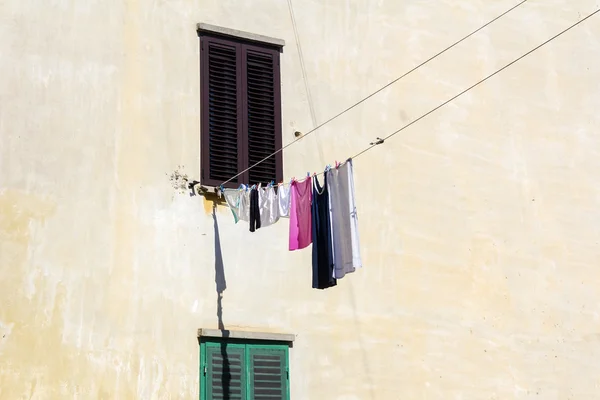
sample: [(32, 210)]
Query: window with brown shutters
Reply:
[(240, 111)]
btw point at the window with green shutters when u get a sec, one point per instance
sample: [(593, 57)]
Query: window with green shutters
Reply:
[(238, 370)]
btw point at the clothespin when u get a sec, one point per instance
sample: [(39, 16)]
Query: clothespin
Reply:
[(337, 164), (378, 141)]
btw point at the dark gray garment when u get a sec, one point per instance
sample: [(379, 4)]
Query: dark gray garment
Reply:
[(322, 250), (254, 211)]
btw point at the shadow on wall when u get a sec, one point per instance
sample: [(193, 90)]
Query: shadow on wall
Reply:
[(221, 285)]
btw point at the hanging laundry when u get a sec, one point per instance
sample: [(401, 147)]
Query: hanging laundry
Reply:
[(254, 210), (284, 200), (232, 197), (244, 204), (268, 205), (300, 214), (344, 220), (322, 251)]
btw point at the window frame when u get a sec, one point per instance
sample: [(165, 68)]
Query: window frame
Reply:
[(242, 47), (247, 344)]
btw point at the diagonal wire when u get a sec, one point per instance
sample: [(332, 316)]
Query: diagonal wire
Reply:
[(382, 140), (378, 90), (311, 105), (478, 83)]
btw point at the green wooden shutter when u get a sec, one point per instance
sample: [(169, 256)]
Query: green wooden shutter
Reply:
[(268, 373), (225, 372)]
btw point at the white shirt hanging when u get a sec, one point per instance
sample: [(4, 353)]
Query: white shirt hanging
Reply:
[(284, 200), (244, 208), (344, 220), (268, 205)]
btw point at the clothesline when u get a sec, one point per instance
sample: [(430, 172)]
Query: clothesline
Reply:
[(382, 140), (272, 184), (376, 92)]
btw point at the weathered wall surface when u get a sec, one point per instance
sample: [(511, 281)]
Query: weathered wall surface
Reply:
[(479, 224)]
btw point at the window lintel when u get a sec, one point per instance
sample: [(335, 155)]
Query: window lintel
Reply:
[(234, 33), (247, 335)]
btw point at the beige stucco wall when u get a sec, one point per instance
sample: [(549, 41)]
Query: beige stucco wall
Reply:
[(479, 224)]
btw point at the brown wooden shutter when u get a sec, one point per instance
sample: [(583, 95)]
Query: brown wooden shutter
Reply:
[(241, 112), (262, 113), (223, 152)]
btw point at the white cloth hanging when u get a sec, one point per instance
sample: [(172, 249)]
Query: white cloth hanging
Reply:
[(244, 208), (232, 197), (284, 200), (344, 220), (268, 205)]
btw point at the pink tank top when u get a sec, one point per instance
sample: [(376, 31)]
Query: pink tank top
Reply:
[(300, 215)]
